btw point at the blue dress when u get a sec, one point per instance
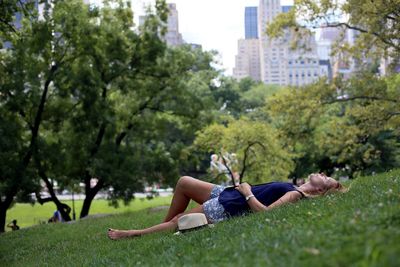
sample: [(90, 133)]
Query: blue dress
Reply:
[(235, 204)]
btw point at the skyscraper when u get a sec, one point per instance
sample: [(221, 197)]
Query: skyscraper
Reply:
[(279, 64), (273, 52), (247, 60), (173, 37), (250, 23)]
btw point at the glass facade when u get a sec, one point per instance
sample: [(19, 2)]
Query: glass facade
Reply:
[(250, 23), (286, 9)]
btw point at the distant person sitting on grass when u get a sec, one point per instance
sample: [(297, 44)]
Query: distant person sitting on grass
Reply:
[(57, 216), (219, 203), (13, 225)]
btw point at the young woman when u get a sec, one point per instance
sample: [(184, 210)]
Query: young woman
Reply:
[(219, 203)]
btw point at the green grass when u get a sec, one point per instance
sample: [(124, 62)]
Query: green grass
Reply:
[(29, 215), (359, 228)]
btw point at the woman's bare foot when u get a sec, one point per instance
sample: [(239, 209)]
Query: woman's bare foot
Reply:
[(118, 234)]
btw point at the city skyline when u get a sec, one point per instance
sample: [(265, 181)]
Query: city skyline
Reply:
[(216, 25), (271, 60)]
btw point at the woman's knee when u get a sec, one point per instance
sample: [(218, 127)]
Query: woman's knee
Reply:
[(183, 181)]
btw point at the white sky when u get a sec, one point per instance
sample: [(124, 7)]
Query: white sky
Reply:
[(214, 24)]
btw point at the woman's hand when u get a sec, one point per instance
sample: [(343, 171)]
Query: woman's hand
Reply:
[(244, 189)]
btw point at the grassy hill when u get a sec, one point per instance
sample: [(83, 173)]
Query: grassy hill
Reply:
[(359, 228), (29, 215)]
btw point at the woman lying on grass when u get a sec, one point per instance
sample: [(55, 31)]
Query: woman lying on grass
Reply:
[(219, 203)]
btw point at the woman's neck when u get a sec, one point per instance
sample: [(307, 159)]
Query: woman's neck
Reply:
[(307, 188)]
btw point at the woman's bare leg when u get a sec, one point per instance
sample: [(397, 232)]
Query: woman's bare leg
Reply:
[(165, 226), (188, 188)]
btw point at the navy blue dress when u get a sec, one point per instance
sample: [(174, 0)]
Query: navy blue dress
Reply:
[(235, 203)]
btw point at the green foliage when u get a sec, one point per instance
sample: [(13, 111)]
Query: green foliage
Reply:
[(26, 73), (245, 97), (87, 96), (351, 125), (255, 97), (264, 163), (359, 228), (135, 104), (377, 25), (8, 11)]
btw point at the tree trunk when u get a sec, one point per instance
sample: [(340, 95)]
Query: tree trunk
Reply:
[(90, 193), (64, 209), (4, 205), (86, 204), (3, 213)]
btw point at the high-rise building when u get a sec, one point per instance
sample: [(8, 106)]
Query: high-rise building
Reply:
[(247, 60), (173, 37), (342, 64), (250, 23), (273, 52), (279, 64)]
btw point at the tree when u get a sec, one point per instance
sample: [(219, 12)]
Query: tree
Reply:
[(74, 108), (349, 133), (267, 159), (8, 11), (377, 24), (127, 102), (237, 98), (28, 71)]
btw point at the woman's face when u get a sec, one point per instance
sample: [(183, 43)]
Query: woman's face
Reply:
[(321, 182)]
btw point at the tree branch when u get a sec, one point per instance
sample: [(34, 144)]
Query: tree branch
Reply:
[(374, 98), (229, 170), (142, 107), (4, 22), (378, 35), (62, 207), (392, 114), (245, 158)]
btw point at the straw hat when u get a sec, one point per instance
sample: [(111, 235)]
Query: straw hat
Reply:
[(192, 221)]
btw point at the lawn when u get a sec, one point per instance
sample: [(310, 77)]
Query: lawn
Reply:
[(358, 228), (29, 215)]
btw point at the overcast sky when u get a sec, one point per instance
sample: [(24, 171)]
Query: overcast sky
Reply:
[(215, 24)]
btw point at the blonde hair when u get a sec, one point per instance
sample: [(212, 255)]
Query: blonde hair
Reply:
[(339, 188)]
